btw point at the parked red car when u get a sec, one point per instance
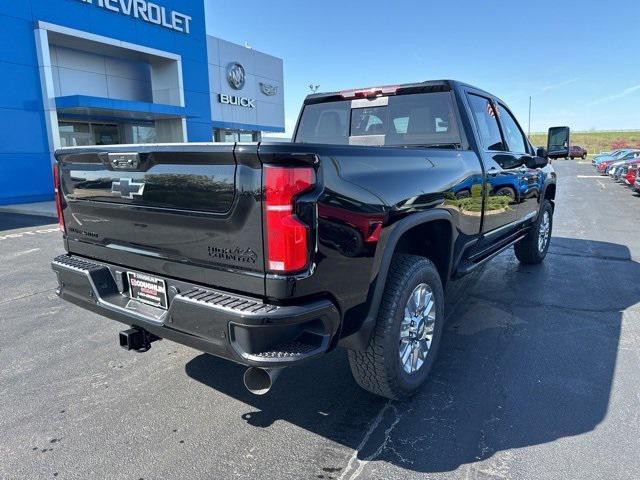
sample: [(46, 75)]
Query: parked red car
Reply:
[(602, 166), (632, 174), (577, 151)]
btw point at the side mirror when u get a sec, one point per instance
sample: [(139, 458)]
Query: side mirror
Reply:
[(538, 161), (558, 141), (508, 162)]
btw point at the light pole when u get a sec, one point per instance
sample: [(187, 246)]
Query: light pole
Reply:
[(529, 135), (314, 88)]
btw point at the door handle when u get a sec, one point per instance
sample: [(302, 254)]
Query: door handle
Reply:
[(493, 171)]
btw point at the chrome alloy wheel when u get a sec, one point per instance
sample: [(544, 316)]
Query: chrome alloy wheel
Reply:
[(544, 231), (417, 328)]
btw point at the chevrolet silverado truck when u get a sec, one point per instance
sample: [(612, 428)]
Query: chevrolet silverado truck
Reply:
[(271, 254)]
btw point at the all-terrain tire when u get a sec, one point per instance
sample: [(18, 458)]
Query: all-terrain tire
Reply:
[(529, 250), (378, 368)]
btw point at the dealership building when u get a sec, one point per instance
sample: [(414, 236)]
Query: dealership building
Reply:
[(99, 72)]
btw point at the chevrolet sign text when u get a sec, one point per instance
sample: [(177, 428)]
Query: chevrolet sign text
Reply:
[(148, 12)]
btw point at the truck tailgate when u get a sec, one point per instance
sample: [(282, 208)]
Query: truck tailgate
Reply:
[(188, 211)]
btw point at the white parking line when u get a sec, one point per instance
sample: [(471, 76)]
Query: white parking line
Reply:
[(30, 232), (19, 254), (589, 176)]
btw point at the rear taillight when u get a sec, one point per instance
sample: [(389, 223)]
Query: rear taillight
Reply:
[(287, 237), (58, 196)]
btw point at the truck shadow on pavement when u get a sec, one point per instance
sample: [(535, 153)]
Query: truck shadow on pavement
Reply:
[(11, 221), (528, 357)]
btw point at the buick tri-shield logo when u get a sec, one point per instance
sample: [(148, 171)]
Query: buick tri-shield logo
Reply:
[(235, 75), (127, 188)]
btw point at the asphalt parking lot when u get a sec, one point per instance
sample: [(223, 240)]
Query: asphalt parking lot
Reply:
[(538, 376)]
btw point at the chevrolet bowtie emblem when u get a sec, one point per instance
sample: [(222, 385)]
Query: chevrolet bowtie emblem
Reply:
[(127, 188)]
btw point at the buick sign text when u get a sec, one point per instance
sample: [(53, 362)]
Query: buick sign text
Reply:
[(236, 100)]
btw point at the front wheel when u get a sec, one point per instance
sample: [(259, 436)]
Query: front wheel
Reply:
[(533, 248), (405, 340), (584, 156), (506, 192)]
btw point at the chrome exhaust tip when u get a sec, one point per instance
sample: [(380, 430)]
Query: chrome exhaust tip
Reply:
[(260, 380)]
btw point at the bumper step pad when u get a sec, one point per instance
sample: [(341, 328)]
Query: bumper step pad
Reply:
[(76, 263), (290, 350), (233, 302)]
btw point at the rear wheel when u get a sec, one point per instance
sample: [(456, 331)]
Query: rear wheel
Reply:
[(405, 340), (584, 156), (533, 248)]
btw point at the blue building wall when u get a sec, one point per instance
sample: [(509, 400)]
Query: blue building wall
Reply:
[(25, 170)]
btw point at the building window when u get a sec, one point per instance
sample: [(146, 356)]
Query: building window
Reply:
[(81, 134), (105, 134), (227, 135), (75, 134), (144, 134)]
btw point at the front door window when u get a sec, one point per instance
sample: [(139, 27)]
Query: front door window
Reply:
[(512, 133), (501, 182)]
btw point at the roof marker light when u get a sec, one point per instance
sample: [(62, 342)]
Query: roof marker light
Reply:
[(370, 92)]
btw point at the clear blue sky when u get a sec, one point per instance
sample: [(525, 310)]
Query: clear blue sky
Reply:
[(579, 60)]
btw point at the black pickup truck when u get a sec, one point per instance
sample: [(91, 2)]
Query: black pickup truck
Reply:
[(270, 254)]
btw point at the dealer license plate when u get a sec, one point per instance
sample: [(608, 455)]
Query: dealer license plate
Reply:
[(148, 289)]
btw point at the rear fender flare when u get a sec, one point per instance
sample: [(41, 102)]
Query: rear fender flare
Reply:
[(382, 262)]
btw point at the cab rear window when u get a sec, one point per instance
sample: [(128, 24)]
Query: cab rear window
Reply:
[(415, 119)]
